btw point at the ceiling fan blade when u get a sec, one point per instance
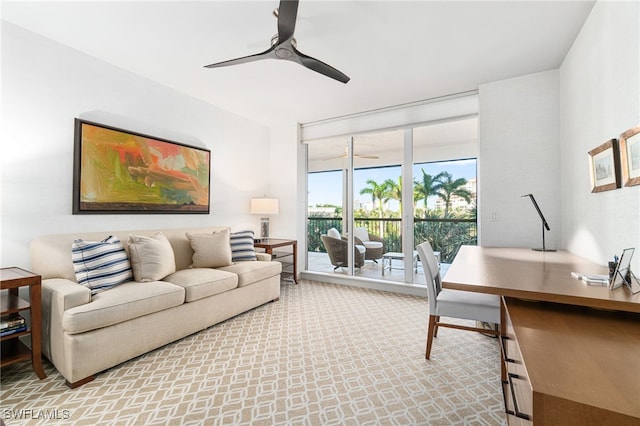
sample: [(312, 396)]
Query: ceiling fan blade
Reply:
[(345, 155), (283, 46), (267, 54), (320, 67), (287, 14)]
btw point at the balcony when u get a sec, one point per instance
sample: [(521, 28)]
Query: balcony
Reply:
[(445, 236)]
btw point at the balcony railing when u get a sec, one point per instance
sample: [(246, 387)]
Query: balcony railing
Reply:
[(445, 235)]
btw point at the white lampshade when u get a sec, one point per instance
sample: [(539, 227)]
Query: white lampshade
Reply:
[(264, 206)]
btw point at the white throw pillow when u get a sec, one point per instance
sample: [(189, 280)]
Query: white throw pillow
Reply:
[(333, 233), (361, 233), (211, 250), (100, 265), (152, 258)]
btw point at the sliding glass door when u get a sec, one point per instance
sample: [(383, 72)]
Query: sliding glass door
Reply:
[(445, 186), (373, 197), (377, 202), (354, 188)]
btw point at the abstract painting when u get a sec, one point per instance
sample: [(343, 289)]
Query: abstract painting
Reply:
[(119, 171)]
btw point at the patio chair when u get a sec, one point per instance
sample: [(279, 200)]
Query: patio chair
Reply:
[(454, 303), (373, 244), (337, 250)]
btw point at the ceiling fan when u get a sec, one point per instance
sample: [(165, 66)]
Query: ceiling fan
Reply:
[(346, 154), (283, 46)]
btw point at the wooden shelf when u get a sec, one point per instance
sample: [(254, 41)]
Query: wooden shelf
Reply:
[(12, 349), (14, 335), (272, 243), (20, 353), (10, 304)]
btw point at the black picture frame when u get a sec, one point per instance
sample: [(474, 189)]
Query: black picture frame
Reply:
[(117, 171)]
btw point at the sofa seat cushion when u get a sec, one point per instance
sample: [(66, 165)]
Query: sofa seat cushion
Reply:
[(372, 244), (122, 303), (203, 282), (251, 272)]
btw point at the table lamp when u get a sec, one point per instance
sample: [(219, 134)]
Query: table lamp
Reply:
[(264, 206)]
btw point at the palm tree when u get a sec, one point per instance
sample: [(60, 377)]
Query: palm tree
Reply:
[(381, 193), (378, 192), (394, 191), (449, 187), (428, 187)]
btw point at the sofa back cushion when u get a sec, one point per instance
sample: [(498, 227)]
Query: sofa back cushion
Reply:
[(333, 233), (361, 233), (51, 254), (152, 257), (211, 250), (100, 265), (242, 246)]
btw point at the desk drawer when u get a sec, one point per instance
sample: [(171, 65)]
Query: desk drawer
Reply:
[(518, 394)]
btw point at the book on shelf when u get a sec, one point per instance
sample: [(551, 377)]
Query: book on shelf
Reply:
[(9, 321), (13, 330)]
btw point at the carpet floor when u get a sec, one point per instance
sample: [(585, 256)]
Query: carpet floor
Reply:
[(322, 355)]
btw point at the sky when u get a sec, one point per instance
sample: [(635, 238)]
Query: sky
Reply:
[(325, 187)]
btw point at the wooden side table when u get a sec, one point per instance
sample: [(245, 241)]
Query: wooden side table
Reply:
[(268, 244), (13, 350)]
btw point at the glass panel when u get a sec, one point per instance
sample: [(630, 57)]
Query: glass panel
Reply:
[(444, 172), (377, 201), (327, 164)]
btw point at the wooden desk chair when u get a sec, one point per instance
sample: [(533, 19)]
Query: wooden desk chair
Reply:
[(454, 303)]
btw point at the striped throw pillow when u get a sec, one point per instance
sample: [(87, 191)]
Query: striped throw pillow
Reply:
[(100, 265), (242, 246)]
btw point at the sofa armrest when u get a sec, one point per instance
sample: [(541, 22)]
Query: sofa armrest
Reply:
[(264, 257), (58, 296), (68, 293)]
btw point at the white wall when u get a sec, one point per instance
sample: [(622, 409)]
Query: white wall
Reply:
[(600, 98), (46, 85), (284, 181), (519, 142)]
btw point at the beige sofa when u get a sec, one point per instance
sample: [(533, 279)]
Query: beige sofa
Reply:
[(84, 334)]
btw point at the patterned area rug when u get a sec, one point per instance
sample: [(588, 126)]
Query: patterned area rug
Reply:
[(322, 355)]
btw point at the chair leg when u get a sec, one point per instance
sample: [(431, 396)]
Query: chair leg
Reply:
[(435, 329), (430, 333)]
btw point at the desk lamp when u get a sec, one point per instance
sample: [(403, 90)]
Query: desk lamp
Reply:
[(264, 206), (544, 222)]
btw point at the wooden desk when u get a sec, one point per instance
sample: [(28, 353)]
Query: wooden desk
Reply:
[(268, 244), (527, 274), (573, 359), (582, 365)]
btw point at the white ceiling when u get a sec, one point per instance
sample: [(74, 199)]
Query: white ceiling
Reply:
[(395, 52)]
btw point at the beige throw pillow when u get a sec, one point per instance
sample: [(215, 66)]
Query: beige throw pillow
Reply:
[(211, 250), (152, 258)]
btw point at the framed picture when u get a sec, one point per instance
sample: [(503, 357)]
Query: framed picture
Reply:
[(630, 156), (622, 270), (605, 173), (118, 171)]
